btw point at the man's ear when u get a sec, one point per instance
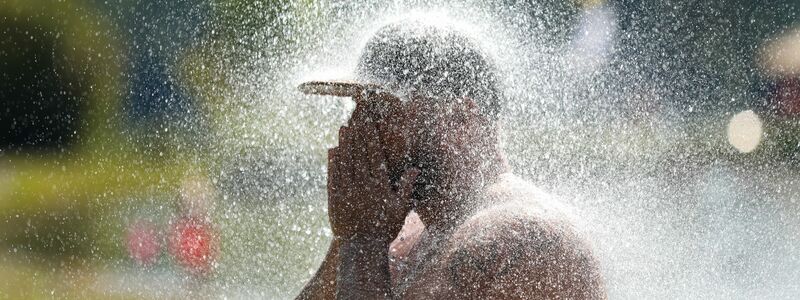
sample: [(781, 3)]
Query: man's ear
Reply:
[(472, 106), (472, 110), (465, 106)]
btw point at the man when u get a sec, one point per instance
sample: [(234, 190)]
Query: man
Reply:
[(420, 198)]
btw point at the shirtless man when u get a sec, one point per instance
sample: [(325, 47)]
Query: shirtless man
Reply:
[(421, 201)]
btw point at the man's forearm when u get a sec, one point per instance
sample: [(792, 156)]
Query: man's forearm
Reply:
[(363, 270), (323, 284)]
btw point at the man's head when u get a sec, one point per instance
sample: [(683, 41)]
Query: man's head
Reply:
[(442, 97), (435, 93)]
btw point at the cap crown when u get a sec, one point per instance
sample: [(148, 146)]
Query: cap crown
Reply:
[(432, 60)]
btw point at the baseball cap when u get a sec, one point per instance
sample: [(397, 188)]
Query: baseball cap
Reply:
[(436, 60)]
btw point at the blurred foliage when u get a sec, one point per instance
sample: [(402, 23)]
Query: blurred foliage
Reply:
[(50, 201), (67, 209), (85, 49), (75, 281)]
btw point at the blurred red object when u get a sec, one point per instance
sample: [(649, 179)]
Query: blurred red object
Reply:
[(787, 96), (143, 242), (192, 242)]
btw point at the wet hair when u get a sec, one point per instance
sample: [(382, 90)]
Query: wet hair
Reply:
[(436, 61)]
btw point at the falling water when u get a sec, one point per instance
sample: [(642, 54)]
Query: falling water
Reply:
[(596, 116), (641, 116)]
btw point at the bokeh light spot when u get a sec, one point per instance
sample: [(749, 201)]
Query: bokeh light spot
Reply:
[(745, 131)]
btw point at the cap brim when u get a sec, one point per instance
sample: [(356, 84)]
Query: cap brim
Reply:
[(340, 88)]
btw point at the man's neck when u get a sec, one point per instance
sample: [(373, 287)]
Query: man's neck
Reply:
[(460, 191)]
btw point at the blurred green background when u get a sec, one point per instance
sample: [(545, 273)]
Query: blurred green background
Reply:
[(114, 113)]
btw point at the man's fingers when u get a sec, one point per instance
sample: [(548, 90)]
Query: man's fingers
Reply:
[(357, 156), (383, 104), (358, 99), (344, 133), (334, 176), (377, 164), (335, 188), (359, 115), (344, 158), (332, 154)]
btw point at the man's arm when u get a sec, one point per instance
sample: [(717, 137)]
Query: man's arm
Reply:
[(323, 284), (365, 208), (514, 255), (364, 270)]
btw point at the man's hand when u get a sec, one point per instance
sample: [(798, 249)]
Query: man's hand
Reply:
[(362, 202)]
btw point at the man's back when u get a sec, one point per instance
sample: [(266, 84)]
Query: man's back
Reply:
[(523, 244)]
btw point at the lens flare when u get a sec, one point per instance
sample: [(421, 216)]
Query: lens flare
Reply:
[(745, 131)]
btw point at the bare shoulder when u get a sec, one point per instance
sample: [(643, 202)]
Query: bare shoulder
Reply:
[(526, 246)]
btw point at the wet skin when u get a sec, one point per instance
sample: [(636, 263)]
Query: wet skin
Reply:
[(422, 206)]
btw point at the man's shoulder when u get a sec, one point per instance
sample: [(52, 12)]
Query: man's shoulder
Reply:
[(525, 239), (516, 213), (513, 198)]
